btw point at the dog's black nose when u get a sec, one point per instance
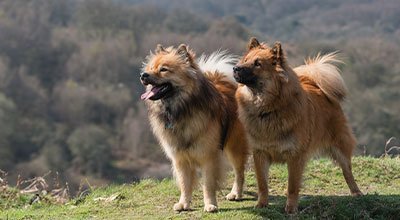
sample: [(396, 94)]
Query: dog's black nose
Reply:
[(144, 75), (237, 68)]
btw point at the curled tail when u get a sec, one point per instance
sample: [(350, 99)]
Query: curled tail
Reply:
[(218, 63), (323, 71)]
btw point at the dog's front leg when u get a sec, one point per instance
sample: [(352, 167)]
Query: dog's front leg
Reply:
[(211, 175), (295, 171), (185, 175), (261, 166)]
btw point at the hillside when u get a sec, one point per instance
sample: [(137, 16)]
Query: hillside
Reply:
[(69, 85), (324, 195)]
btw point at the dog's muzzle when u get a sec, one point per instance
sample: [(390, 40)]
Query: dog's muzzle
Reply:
[(145, 78), (244, 75)]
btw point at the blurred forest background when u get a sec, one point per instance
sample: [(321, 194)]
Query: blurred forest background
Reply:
[(69, 88)]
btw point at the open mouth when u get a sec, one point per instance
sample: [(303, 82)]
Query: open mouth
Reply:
[(157, 92)]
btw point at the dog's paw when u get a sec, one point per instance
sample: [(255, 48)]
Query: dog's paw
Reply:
[(181, 207), (261, 205), (210, 208), (291, 209), (233, 197)]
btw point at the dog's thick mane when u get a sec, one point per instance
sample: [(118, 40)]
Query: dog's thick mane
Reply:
[(201, 99), (325, 74), (212, 69), (176, 112)]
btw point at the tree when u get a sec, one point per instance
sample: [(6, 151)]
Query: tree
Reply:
[(7, 121), (90, 146)]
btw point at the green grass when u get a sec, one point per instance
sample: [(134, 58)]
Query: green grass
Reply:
[(324, 195)]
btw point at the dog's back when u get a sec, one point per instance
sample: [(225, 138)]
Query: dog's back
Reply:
[(217, 68), (325, 89)]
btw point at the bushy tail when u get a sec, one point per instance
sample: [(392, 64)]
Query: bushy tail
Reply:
[(219, 61), (323, 71)]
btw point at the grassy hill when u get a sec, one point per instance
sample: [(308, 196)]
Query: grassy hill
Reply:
[(324, 195), (70, 91)]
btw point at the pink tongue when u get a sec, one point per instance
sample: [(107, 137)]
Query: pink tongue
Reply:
[(150, 93)]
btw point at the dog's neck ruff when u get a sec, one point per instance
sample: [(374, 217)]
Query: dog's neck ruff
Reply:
[(172, 111), (169, 125), (168, 122)]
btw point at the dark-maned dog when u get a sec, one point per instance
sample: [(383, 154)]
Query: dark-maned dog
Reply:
[(193, 113), (290, 114)]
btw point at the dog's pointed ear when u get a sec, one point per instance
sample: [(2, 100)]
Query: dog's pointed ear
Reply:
[(160, 48), (182, 50), (279, 61), (253, 43), (186, 54), (277, 50)]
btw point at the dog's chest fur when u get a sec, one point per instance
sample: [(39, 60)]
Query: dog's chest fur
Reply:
[(180, 134), (271, 131), (188, 121)]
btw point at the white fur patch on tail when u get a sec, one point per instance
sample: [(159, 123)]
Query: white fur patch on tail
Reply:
[(220, 61), (323, 71)]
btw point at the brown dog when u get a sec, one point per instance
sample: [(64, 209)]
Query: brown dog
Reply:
[(291, 114), (193, 113)]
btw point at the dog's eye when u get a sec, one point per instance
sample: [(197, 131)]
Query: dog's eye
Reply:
[(163, 69), (257, 63)]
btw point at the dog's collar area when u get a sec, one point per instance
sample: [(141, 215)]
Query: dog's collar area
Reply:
[(168, 120), (168, 125)]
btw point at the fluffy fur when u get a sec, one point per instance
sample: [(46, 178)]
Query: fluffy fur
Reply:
[(325, 74), (219, 61), (193, 113), (291, 114)]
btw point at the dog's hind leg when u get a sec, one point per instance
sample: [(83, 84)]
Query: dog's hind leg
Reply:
[(238, 164), (341, 153), (186, 177), (237, 156), (237, 152), (295, 171)]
